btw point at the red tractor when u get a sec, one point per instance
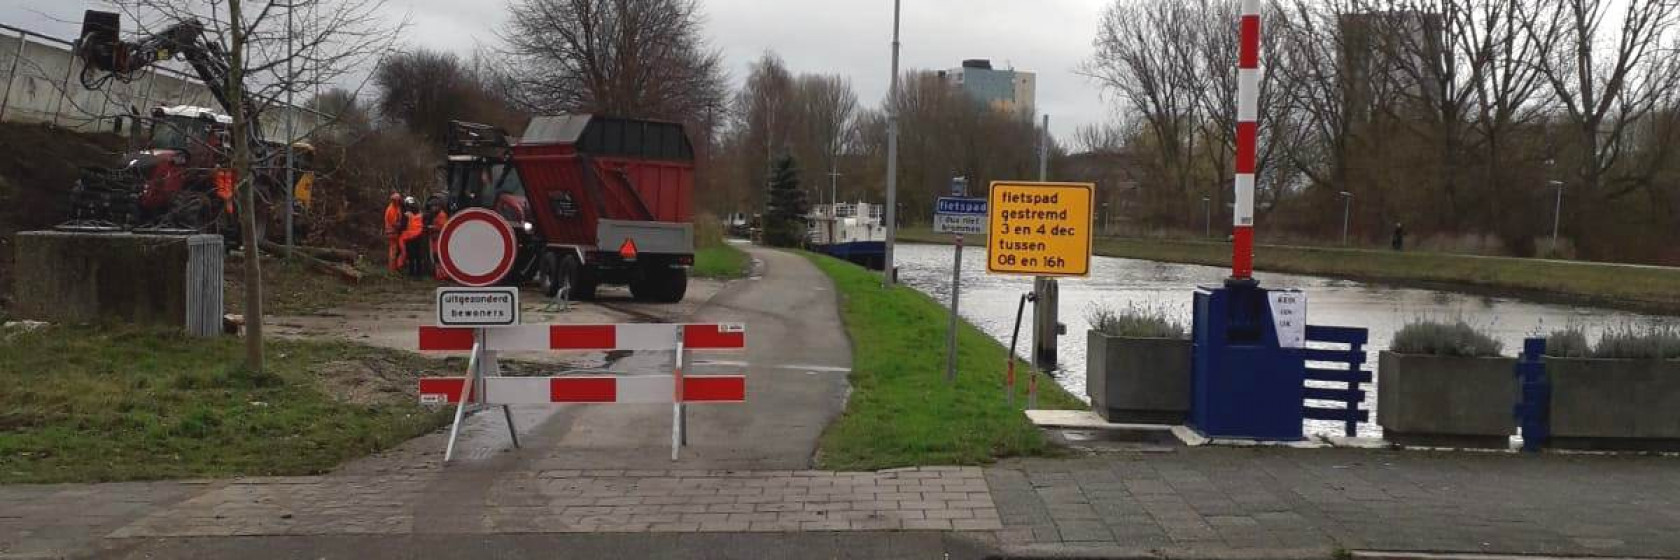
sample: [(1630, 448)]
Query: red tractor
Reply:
[(595, 200), (181, 179)]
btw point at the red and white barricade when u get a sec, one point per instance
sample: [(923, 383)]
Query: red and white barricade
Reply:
[(481, 385)]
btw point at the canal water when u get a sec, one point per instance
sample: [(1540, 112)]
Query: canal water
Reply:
[(989, 301)]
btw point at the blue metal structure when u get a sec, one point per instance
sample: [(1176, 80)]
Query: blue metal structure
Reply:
[(1534, 400), (1349, 361), (1243, 383)]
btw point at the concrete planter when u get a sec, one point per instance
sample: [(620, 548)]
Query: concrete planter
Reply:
[(1615, 404), (1138, 380), (1443, 401)]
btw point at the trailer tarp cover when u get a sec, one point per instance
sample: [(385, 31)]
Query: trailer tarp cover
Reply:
[(612, 136)]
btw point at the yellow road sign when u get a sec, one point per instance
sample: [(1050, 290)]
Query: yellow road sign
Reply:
[(1040, 229)]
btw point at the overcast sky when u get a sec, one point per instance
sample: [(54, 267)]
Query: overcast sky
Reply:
[(847, 37)]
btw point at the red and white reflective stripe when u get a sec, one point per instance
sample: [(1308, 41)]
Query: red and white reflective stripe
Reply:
[(638, 389), (1248, 131), (628, 336)]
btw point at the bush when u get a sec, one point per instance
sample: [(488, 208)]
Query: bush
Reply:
[(1134, 322), (1433, 338), (1639, 342), (1570, 342)]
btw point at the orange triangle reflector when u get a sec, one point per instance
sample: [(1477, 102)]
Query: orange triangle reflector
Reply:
[(628, 250)]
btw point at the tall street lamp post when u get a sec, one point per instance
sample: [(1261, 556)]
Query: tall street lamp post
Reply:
[(1557, 213), (1347, 205)]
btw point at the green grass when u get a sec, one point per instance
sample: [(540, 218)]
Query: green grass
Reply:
[(1644, 288), (901, 411), (721, 261), (86, 404), (714, 257)]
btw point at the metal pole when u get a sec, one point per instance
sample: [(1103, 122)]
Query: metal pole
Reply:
[(951, 330), (1557, 215), (1044, 150), (466, 393), (1207, 217), (1347, 206), (11, 75), (1015, 336), (833, 196), (1045, 296), (678, 422), (888, 272), (1247, 134), (291, 110)]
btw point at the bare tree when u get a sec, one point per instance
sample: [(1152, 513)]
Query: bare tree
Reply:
[(826, 106), (1144, 55), (629, 58), (1609, 70), (764, 118)]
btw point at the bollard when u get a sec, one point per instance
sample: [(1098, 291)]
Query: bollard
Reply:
[(1534, 406)]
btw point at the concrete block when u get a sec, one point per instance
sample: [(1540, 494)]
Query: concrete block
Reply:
[(1143, 380), (1446, 401), (1615, 404), (75, 278)]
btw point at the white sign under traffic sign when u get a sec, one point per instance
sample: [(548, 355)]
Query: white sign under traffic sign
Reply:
[(961, 215), (478, 307)]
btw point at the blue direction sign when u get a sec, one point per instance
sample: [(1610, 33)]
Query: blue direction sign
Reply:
[(960, 215)]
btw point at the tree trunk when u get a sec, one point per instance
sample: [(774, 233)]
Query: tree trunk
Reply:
[(247, 190)]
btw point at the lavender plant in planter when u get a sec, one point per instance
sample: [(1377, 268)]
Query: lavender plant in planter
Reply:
[(1623, 395), (1445, 385), (1137, 366)]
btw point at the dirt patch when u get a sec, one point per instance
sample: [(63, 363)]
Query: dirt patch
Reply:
[(372, 380)]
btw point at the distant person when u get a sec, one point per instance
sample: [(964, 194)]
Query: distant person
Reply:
[(1399, 242), (438, 215), (413, 246), (393, 233)]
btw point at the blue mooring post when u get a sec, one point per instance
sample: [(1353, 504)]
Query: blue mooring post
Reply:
[(1534, 405)]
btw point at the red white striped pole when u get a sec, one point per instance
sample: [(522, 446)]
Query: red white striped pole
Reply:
[(1248, 117)]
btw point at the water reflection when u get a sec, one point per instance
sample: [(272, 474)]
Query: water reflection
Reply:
[(989, 302)]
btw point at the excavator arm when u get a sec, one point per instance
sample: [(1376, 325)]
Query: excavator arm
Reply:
[(106, 56)]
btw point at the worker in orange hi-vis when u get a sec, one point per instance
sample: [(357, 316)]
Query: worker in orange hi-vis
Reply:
[(413, 248), (393, 233), (434, 230)]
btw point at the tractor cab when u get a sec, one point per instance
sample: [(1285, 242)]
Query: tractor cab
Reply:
[(198, 133)]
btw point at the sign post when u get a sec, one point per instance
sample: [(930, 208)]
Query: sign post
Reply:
[(476, 250), (957, 215), (1039, 229)]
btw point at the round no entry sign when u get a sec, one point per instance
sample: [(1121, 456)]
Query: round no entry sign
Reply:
[(476, 247)]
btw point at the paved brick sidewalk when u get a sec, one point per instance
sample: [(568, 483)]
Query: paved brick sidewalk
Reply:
[(1272, 502), (932, 498)]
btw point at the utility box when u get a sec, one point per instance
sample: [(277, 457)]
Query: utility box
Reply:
[(1244, 383), (78, 277)]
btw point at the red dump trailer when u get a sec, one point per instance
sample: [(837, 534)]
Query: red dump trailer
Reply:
[(596, 200)]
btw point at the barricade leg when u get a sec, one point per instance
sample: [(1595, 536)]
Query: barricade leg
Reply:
[(466, 394)]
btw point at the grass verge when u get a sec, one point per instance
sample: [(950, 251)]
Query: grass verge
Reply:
[(721, 261), (901, 411), (85, 404), (1642, 288), (714, 257)]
